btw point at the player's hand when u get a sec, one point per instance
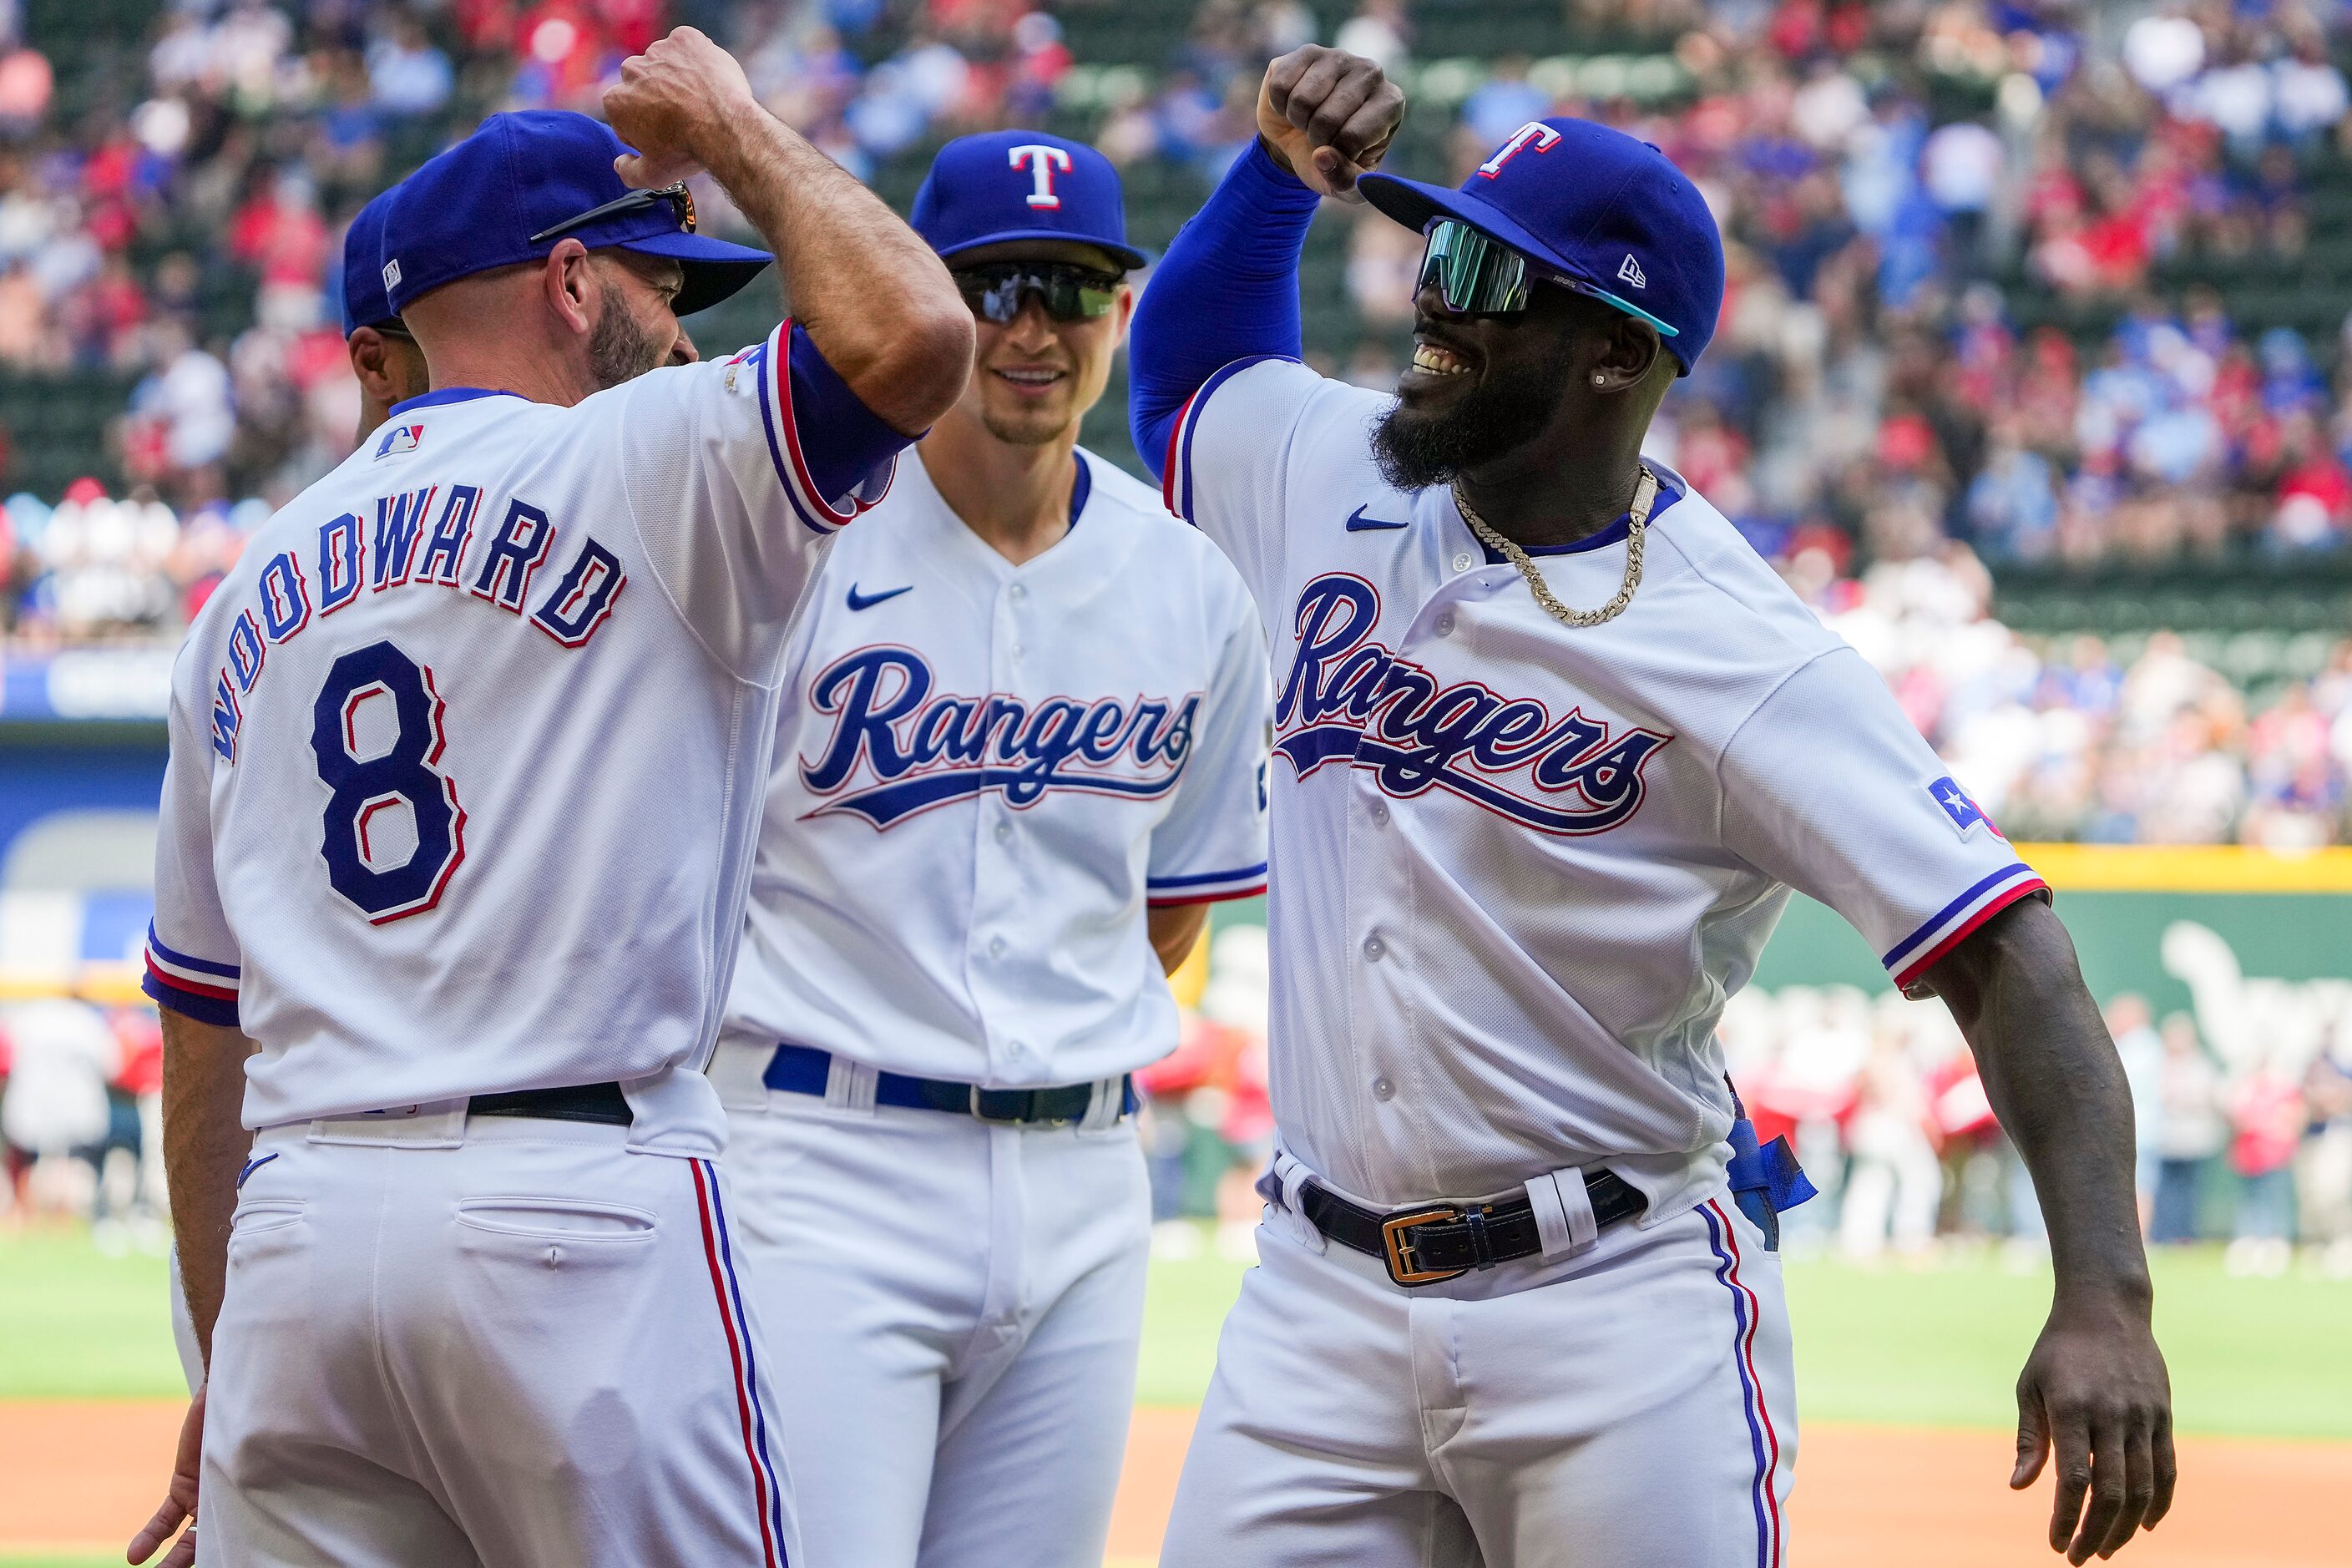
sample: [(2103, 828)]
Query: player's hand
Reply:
[(669, 104), (2094, 1391), (179, 1504), (1329, 117)]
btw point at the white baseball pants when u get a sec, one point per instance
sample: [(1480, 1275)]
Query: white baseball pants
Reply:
[(1636, 1409), (485, 1340), (956, 1309)]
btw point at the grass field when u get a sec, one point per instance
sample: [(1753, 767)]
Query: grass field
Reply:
[(1937, 1347)]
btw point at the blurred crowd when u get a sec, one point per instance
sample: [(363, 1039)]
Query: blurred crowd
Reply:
[(1891, 178), (1881, 1100), (80, 1117), (1990, 268), (2131, 740), (2247, 1140)]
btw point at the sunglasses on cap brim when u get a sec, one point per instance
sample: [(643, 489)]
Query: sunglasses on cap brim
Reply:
[(1069, 292), (1478, 274), (677, 198)]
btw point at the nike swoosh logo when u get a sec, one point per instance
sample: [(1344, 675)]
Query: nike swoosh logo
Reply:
[(858, 600), (1357, 522)]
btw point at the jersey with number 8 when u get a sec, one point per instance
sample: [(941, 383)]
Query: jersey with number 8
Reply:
[(466, 750)]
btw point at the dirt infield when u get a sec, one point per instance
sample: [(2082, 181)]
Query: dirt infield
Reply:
[(77, 1478)]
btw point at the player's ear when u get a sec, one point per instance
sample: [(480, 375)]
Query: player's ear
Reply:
[(365, 345), (567, 279), (1124, 311), (1630, 349)]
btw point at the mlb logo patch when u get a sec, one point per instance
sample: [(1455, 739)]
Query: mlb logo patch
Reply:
[(399, 439), (1964, 813)]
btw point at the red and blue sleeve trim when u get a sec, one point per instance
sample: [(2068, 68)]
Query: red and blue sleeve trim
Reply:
[(1176, 473), (785, 452), (1945, 930), (1208, 888), (202, 988)]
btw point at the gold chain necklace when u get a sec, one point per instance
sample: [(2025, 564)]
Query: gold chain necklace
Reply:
[(1646, 496)]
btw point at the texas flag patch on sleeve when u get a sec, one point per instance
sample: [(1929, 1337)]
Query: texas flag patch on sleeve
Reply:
[(1966, 814)]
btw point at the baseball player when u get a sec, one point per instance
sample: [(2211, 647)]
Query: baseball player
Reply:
[(1553, 745), (453, 848), (1019, 755), (384, 357)]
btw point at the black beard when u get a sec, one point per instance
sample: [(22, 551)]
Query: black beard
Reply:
[(619, 350), (1498, 415)]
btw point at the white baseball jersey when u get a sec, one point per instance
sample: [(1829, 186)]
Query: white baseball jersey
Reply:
[(460, 795), (983, 774), (1519, 866)]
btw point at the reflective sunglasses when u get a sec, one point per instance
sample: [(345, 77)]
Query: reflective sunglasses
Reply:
[(1477, 275), (679, 200), (1068, 292)]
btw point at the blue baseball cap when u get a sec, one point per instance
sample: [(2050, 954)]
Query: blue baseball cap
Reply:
[(493, 199), (1609, 212), (1021, 185), (366, 304)]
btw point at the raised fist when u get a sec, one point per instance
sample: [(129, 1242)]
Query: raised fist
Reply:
[(1329, 117), (669, 101)]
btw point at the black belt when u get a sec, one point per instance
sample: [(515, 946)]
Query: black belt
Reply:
[(1439, 1241), (805, 1069), (600, 1103)]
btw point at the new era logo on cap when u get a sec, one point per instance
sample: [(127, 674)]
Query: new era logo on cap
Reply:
[(1631, 271), (390, 276)]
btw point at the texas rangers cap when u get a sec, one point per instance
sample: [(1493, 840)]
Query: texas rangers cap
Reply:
[(1596, 205), (1021, 185), (366, 304), (492, 200)]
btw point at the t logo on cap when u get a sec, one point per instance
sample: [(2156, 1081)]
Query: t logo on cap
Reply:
[(1535, 131), (1043, 162)]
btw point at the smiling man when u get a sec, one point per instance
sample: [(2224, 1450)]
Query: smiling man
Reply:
[(1020, 754), (1553, 745)]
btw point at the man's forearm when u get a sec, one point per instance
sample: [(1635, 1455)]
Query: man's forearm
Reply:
[(1227, 289), (205, 1146), (2057, 1084), (875, 300), (1175, 931)]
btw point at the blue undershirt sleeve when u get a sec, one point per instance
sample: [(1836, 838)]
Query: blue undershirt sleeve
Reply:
[(1228, 290), (842, 441)]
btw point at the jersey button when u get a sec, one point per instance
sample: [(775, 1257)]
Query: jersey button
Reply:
[(1445, 625), (1374, 947), (1383, 1090), (1380, 812), (1003, 832), (1019, 592), (996, 947), (1462, 562)]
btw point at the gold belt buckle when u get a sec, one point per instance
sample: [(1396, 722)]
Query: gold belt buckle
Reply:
[(1404, 1266)]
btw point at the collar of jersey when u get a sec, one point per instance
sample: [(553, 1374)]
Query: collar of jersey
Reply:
[(440, 395), (1668, 493)]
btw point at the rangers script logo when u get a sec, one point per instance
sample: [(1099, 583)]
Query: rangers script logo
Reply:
[(908, 751), (1349, 698)]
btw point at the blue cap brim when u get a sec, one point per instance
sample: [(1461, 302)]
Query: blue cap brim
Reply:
[(1413, 204), (1127, 255), (714, 269)]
